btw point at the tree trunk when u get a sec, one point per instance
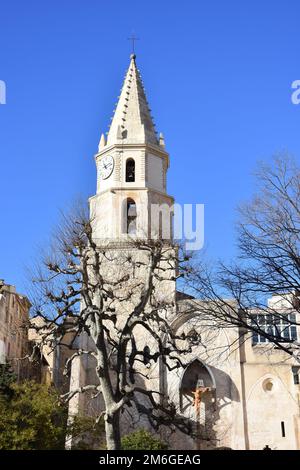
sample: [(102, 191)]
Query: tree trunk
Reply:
[(112, 431)]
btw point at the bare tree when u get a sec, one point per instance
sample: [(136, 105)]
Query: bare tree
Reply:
[(113, 294), (268, 264)]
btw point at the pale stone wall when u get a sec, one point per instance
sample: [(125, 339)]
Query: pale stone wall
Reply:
[(271, 403), (221, 405), (117, 179), (151, 165), (255, 395), (108, 214), (155, 172)]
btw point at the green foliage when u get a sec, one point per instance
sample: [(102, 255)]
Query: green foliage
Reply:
[(7, 378), (142, 440), (33, 417), (87, 433)]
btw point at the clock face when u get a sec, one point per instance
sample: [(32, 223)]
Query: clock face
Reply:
[(106, 167)]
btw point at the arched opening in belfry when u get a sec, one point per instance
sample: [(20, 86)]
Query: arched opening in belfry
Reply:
[(131, 217), (130, 170), (198, 396)]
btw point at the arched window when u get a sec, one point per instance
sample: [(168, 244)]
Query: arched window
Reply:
[(196, 374), (197, 397), (147, 355), (131, 217), (130, 170)]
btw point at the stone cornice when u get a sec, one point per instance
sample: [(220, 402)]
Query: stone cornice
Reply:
[(126, 189)]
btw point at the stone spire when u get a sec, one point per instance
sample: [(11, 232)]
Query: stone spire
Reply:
[(132, 122)]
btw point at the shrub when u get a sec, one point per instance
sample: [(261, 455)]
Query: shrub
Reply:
[(87, 433), (142, 440), (32, 417)]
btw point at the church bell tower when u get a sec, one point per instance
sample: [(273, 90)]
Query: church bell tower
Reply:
[(132, 165)]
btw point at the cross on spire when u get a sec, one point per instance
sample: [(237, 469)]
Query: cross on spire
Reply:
[(133, 38)]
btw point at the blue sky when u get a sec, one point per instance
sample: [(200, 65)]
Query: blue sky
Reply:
[(218, 77)]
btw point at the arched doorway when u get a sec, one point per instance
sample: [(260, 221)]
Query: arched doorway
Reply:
[(197, 397)]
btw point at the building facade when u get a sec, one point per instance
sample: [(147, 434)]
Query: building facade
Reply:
[(14, 321), (249, 391)]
